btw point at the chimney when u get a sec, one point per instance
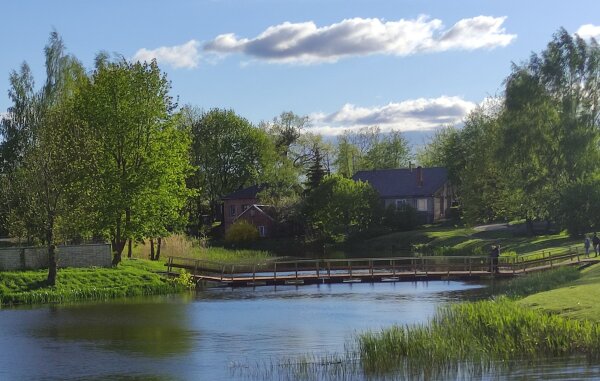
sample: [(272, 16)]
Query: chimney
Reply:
[(419, 176), (410, 166)]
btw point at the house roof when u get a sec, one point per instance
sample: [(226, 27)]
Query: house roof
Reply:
[(403, 182), (246, 193), (260, 208)]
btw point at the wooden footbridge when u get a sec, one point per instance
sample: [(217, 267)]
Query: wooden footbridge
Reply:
[(355, 270)]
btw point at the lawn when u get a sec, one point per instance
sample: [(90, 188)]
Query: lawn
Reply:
[(435, 240), (578, 300), (130, 278)]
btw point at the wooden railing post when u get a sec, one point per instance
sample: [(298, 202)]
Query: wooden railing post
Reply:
[(328, 270), (254, 272), (350, 267), (470, 264), (296, 263), (222, 272), (317, 265), (275, 272), (393, 267), (371, 268)]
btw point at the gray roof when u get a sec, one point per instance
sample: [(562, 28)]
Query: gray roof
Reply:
[(245, 193), (403, 182)]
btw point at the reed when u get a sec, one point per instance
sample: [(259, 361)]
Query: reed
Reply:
[(537, 282), (484, 333)]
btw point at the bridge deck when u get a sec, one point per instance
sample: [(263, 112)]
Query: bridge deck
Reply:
[(365, 269)]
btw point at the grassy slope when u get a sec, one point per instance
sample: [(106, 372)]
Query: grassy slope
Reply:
[(131, 278), (578, 300), (468, 240)]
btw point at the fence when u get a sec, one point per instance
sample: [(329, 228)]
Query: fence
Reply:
[(24, 258)]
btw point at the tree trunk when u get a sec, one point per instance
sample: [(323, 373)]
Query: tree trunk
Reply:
[(152, 249), (129, 248), (118, 244), (158, 248)]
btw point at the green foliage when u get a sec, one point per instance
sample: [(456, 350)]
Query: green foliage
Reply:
[(370, 149), (241, 231), (141, 154), (579, 206), (479, 332), (185, 280), (400, 218), (228, 152), (341, 207)]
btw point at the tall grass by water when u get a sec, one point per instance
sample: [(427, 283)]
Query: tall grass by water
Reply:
[(484, 333), (180, 245), (537, 282)]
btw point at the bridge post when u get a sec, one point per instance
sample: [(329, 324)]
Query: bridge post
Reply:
[(317, 265), (222, 272), (350, 267), (393, 267), (170, 265), (254, 273), (371, 268), (328, 269), (414, 265), (296, 269), (275, 272)]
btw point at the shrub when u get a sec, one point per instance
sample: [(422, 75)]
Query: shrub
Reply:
[(400, 218), (241, 231)]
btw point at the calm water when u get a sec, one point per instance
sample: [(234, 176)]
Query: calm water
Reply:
[(218, 334)]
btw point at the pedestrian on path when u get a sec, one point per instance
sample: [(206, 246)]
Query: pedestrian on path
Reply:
[(595, 242), (587, 244), (494, 254)]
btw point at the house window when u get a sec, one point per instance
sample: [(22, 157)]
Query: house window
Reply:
[(232, 210), (262, 231), (244, 207), (422, 205), (400, 203)]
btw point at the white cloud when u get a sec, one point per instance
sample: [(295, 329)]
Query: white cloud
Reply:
[(589, 31), (306, 43), (178, 56), (412, 115)]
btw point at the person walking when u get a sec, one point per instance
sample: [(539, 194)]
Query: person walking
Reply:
[(595, 242), (586, 245), (494, 254)]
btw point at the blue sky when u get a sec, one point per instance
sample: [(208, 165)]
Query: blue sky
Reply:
[(406, 64)]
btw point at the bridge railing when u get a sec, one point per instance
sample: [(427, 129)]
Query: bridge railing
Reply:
[(324, 268)]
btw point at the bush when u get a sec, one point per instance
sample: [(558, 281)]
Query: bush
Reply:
[(402, 218), (241, 231)]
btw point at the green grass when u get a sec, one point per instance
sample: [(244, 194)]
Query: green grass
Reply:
[(484, 332), (579, 299), (130, 278), (436, 240), (537, 282)]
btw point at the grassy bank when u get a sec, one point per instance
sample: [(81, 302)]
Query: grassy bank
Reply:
[(482, 332), (438, 240), (579, 299), (130, 278)]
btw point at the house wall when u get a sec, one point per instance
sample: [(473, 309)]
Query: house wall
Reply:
[(22, 258), (228, 219), (429, 215), (259, 219)]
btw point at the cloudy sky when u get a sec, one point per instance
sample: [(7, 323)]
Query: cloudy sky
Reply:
[(399, 64)]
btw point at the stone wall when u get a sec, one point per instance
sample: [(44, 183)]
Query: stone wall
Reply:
[(22, 258)]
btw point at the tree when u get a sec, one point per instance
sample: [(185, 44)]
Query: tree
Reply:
[(315, 173), (141, 155), (341, 207), (286, 129), (369, 149), (579, 206), (42, 178), (228, 153)]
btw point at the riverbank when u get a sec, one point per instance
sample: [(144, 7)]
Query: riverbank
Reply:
[(579, 299), (560, 322), (130, 278)]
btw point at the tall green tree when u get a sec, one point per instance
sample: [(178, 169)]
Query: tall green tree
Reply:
[(228, 153), (341, 207), (137, 181), (42, 178)]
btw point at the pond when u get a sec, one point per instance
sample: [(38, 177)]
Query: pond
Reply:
[(218, 334)]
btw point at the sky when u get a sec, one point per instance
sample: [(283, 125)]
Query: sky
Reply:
[(408, 65)]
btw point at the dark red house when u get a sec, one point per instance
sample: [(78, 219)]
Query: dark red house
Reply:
[(244, 204)]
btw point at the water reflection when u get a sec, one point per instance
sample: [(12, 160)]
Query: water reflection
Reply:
[(154, 327), (219, 334)]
